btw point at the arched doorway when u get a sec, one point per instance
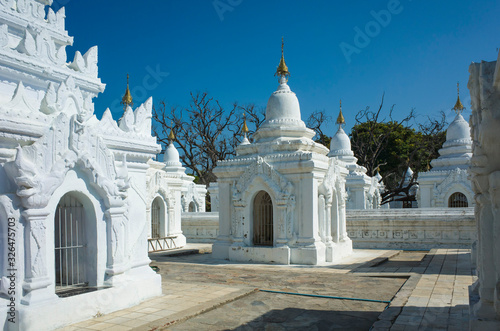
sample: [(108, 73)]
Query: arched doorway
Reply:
[(156, 216), (263, 219), (71, 256), (458, 200), (192, 207)]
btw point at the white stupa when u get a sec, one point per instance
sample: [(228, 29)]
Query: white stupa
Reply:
[(363, 191), (171, 156), (447, 184), (281, 199)]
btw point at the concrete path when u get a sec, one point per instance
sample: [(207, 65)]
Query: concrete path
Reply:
[(427, 291)]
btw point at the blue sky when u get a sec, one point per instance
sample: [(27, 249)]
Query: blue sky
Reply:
[(230, 49)]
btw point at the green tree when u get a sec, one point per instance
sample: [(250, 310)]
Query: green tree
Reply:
[(391, 147)]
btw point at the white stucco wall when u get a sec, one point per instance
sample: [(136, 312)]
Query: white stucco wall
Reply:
[(416, 228)]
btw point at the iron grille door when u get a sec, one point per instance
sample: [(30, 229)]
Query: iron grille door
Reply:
[(155, 219), (458, 200), (69, 244), (263, 220)]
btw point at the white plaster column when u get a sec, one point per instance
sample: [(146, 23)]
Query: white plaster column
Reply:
[(170, 221), (116, 231), (334, 219), (174, 213), (484, 85), (322, 217), (220, 248), (328, 231), (342, 217), (281, 239), (237, 227), (213, 189), (36, 281), (308, 231)]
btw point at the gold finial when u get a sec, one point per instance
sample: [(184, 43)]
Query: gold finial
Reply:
[(127, 98), (282, 70), (340, 118), (244, 128), (458, 105), (171, 135)]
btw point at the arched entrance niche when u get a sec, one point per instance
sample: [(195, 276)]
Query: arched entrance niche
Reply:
[(157, 218), (192, 207), (263, 234), (74, 244), (458, 200)]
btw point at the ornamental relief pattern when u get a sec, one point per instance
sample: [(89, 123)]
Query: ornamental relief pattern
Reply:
[(39, 169), (281, 188)]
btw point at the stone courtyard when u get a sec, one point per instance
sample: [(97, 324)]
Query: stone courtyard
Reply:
[(410, 290)]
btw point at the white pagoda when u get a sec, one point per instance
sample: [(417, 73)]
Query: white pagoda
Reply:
[(363, 191), (281, 199), (447, 183)]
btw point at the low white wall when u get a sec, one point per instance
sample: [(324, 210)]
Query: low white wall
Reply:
[(200, 227), (415, 228)]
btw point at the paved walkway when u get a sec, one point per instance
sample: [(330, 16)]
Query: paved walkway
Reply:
[(427, 290)]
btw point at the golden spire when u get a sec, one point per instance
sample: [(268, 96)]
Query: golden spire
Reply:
[(282, 70), (127, 98), (171, 135), (458, 105), (244, 128), (340, 118)]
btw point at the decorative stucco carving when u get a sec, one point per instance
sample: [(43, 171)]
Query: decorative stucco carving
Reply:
[(457, 179), (484, 86), (282, 188), (40, 168)]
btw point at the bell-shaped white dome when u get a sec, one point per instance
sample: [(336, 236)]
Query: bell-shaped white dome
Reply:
[(457, 149), (283, 104), (340, 144), (171, 156), (458, 130)]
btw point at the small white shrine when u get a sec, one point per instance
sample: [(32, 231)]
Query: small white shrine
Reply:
[(281, 199), (447, 183), (72, 187), (363, 191), (403, 200), (193, 197), (166, 183)]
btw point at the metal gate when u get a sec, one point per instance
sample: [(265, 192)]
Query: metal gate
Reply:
[(458, 200), (155, 218), (263, 219), (70, 248)]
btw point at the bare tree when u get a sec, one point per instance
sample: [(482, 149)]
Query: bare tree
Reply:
[(316, 121), (204, 131)]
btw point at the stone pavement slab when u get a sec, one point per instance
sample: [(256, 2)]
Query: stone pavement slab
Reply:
[(427, 290)]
